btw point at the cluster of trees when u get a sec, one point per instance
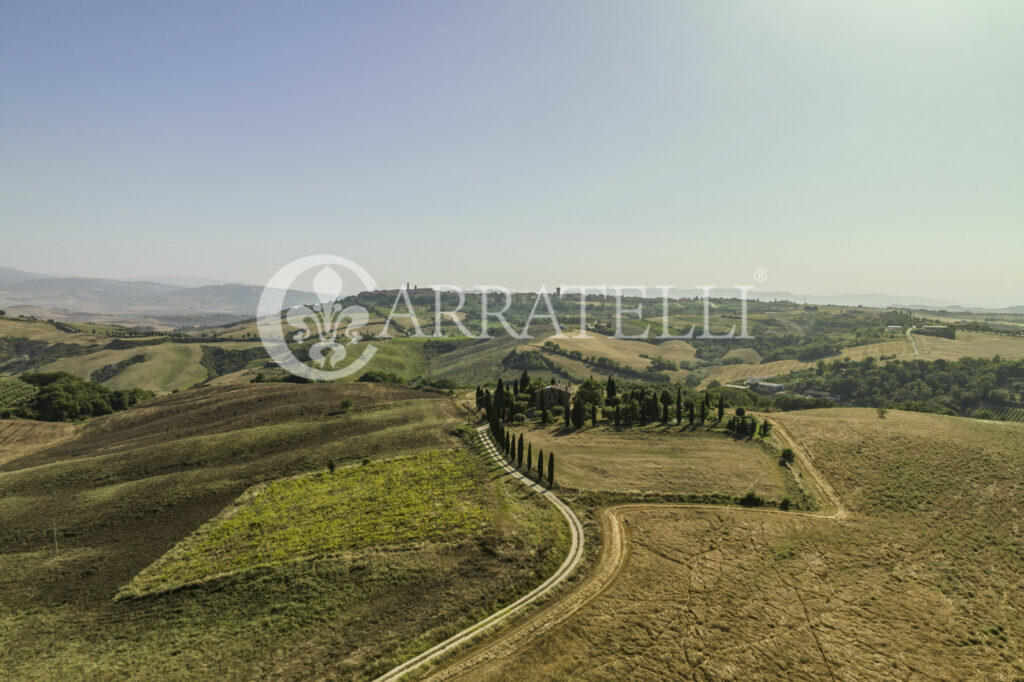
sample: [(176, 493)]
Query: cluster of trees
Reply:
[(65, 397), (947, 387), (652, 373), (742, 426)]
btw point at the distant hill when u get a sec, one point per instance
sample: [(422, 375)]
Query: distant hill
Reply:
[(11, 276), (136, 299)]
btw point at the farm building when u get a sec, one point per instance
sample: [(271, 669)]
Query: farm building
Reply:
[(762, 386), (552, 395)]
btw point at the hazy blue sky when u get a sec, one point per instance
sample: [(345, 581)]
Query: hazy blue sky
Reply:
[(845, 147)]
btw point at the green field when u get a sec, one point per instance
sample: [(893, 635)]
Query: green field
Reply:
[(429, 497)]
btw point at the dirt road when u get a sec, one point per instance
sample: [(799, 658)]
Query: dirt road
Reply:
[(487, 659), (572, 560)]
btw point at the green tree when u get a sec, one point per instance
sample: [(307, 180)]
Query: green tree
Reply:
[(721, 407), (690, 412), (529, 458), (551, 469), (590, 392), (540, 465), (679, 405), (519, 452)]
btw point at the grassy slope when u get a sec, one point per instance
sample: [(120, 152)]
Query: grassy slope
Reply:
[(168, 366), (655, 459), (131, 486), (923, 581)]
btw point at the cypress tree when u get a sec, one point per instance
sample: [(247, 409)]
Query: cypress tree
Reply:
[(551, 469), (593, 415), (519, 450), (618, 415), (689, 406), (703, 411), (529, 459), (540, 465), (499, 398), (679, 406), (721, 407), (524, 381), (544, 415), (664, 413), (568, 415)]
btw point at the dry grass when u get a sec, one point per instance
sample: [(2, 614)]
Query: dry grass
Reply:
[(922, 581), (730, 374), (168, 366), (625, 352), (748, 355), (19, 437), (899, 348), (970, 344), (655, 459)]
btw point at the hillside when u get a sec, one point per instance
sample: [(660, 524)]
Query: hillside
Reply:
[(122, 491), (921, 581)]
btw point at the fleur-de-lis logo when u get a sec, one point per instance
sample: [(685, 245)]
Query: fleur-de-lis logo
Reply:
[(324, 321), (324, 328)]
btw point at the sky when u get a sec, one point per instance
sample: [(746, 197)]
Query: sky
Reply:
[(835, 147)]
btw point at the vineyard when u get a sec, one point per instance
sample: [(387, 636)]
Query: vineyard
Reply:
[(1008, 414), (14, 392)]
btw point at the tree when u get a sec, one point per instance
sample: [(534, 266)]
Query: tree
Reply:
[(740, 412), (721, 407), (610, 389), (524, 381), (551, 469), (579, 415), (499, 398), (664, 413), (529, 458), (618, 415), (544, 419), (479, 397), (703, 411), (519, 452), (568, 416), (882, 410), (590, 393), (788, 455), (593, 415), (540, 465), (690, 415), (679, 405), (330, 465)]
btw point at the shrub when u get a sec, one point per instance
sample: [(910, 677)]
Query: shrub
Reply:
[(784, 505), (788, 455), (752, 499), (518, 418), (557, 411)]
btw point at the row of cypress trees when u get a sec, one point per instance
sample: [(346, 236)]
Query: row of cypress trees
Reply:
[(514, 449)]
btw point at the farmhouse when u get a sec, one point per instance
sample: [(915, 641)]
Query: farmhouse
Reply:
[(552, 395)]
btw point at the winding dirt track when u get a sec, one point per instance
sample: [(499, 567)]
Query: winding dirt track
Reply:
[(486, 660), (572, 560)]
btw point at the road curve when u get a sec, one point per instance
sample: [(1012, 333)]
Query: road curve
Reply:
[(486, 661), (572, 560)]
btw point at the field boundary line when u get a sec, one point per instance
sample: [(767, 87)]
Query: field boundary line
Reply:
[(568, 566)]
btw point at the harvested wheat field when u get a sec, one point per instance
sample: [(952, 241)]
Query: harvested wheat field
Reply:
[(655, 459), (921, 581)]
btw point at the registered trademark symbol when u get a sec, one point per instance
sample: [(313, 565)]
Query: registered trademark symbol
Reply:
[(761, 275)]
